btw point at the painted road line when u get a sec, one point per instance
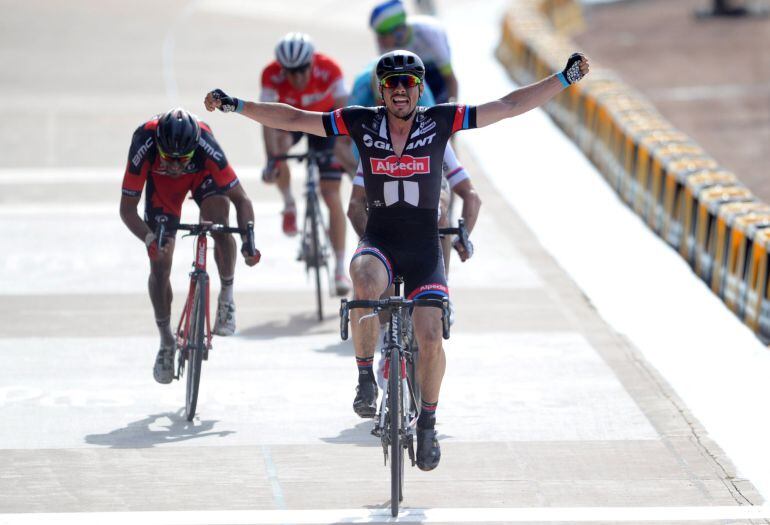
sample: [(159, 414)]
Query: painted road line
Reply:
[(458, 515)]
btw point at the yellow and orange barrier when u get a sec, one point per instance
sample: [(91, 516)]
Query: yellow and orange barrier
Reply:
[(699, 208)]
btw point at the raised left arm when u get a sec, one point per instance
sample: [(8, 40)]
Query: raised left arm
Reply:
[(532, 96)]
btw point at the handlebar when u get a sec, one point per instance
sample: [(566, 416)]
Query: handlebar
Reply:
[(389, 304), (461, 231), (205, 228)]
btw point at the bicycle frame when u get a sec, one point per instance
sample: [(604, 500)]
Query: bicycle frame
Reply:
[(199, 270), (396, 433), (314, 240)]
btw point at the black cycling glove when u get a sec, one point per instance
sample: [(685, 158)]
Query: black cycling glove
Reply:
[(228, 103), (571, 73)]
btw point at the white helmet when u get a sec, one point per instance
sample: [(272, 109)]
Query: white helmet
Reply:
[(294, 50)]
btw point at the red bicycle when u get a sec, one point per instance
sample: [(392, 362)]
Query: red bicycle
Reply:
[(193, 333)]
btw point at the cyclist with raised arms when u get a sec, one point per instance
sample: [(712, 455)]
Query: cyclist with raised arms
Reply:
[(402, 178), (365, 92), (170, 155), (306, 79), (423, 36)]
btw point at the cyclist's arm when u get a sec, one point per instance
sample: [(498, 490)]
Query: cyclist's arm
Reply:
[(275, 115), (342, 145), (283, 116), (532, 96), (344, 154), (272, 139), (131, 218), (244, 211), (518, 101), (471, 202), (357, 209)]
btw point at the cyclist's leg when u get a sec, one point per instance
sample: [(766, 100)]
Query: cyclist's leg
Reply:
[(159, 287), (278, 142), (331, 175), (431, 360), (215, 207), (443, 222), (372, 273)]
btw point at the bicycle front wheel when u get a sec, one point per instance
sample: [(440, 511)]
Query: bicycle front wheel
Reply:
[(314, 212), (396, 450), (196, 346)]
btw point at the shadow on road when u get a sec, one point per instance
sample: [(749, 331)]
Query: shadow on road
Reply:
[(343, 348), (138, 434), (360, 435), (297, 324)]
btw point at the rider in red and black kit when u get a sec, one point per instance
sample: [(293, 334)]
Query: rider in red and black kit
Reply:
[(171, 155)]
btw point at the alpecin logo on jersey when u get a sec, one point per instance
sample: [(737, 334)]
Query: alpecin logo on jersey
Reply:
[(404, 167)]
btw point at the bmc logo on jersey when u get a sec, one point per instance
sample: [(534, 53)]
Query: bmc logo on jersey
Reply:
[(406, 166)]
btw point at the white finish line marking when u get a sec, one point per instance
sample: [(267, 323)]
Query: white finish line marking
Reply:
[(459, 515)]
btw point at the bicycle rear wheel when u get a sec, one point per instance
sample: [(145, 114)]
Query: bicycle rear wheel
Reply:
[(196, 346), (396, 450)]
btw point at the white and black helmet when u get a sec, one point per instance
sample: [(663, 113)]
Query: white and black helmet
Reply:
[(295, 50)]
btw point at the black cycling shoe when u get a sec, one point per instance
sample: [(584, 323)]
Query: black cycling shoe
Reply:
[(365, 404), (428, 449)]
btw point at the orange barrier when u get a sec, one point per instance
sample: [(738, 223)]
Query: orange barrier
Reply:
[(683, 195)]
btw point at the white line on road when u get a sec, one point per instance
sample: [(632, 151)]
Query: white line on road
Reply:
[(457, 515)]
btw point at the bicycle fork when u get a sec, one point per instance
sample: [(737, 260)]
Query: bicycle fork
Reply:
[(394, 350)]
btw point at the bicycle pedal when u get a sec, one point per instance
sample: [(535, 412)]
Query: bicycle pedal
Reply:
[(377, 431)]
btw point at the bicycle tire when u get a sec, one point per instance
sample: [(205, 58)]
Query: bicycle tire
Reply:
[(313, 210), (196, 347), (396, 450)]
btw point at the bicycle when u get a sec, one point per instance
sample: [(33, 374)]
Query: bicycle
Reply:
[(315, 245), (193, 333), (396, 421)]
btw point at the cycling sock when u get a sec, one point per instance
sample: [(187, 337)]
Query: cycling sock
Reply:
[(340, 266), (164, 328), (288, 199), (365, 372), (427, 418), (226, 292)]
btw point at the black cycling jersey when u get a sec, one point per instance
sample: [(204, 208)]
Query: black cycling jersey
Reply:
[(412, 180), (403, 192)]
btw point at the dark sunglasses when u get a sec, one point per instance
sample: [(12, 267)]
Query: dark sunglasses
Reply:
[(393, 81), (297, 70), (180, 158)]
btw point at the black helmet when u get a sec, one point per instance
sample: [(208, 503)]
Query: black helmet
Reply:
[(178, 133), (400, 62)]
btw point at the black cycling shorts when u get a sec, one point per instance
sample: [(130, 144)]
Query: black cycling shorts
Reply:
[(203, 188), (406, 241)]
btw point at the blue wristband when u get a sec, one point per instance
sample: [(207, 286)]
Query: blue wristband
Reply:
[(239, 106), (562, 79)]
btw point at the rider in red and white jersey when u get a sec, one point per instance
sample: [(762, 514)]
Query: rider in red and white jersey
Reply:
[(306, 79)]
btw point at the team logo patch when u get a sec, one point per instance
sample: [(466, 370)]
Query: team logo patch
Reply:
[(404, 167)]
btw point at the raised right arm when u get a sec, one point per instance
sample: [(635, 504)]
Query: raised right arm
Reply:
[(270, 114)]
